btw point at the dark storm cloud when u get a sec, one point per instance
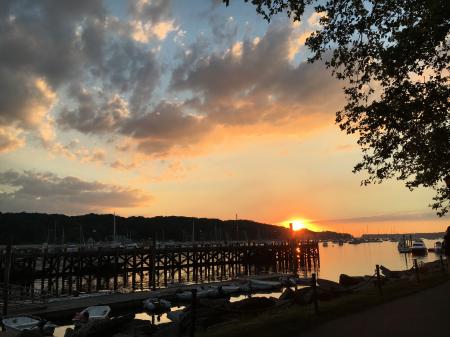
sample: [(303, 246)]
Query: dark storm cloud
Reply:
[(45, 191)]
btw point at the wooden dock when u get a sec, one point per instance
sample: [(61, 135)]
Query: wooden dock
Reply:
[(40, 274)]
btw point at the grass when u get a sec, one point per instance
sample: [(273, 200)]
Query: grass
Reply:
[(294, 319)]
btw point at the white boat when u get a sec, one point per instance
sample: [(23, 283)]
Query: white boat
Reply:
[(438, 247), (418, 247), (403, 247), (202, 292), (21, 323), (230, 289), (157, 305), (325, 244), (95, 312), (264, 285), (177, 315)]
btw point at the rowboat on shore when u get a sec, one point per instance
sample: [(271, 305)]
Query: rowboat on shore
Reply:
[(95, 312), (157, 305), (264, 285), (24, 322)]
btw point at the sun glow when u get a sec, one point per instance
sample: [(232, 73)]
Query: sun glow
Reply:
[(297, 224)]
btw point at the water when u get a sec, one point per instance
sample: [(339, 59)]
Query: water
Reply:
[(358, 260), (348, 259)]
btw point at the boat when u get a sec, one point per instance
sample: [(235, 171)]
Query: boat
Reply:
[(340, 242), (229, 289), (403, 247), (177, 315), (355, 241), (24, 322), (96, 312), (325, 244), (202, 292), (418, 247), (157, 305), (264, 285), (438, 247)]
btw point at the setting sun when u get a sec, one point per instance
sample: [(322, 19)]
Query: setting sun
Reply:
[(297, 224)]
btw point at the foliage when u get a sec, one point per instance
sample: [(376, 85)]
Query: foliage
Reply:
[(394, 57)]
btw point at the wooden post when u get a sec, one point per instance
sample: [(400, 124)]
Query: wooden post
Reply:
[(416, 269), (153, 264), (442, 264), (193, 312), (8, 258), (377, 269), (314, 288)]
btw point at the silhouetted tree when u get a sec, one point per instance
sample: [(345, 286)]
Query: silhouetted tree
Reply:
[(394, 57)]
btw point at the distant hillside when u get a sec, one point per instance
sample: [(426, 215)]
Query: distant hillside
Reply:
[(36, 228)]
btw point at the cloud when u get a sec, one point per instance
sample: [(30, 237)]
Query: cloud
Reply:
[(258, 86), (10, 139), (47, 192), (51, 52), (391, 217)]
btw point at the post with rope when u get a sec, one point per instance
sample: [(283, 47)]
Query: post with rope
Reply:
[(416, 269), (314, 288), (377, 270), (193, 312)]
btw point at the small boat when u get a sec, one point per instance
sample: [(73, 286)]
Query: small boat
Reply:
[(403, 247), (21, 323), (340, 243), (202, 292), (438, 247), (325, 244), (229, 289), (177, 315), (96, 312), (418, 247), (264, 285), (355, 241), (156, 305)]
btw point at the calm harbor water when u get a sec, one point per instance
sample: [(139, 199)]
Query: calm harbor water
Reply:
[(357, 260), (335, 260)]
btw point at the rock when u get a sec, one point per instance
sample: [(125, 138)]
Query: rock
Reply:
[(253, 304), (303, 296), (348, 281), (331, 286), (102, 328), (287, 294), (69, 332), (390, 273)]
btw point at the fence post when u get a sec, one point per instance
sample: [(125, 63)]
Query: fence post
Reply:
[(416, 269), (193, 312), (442, 264), (377, 269), (314, 288), (8, 256)]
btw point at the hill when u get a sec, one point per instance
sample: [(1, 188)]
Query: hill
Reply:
[(36, 228)]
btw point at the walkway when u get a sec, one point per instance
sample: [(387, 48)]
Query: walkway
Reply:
[(426, 313)]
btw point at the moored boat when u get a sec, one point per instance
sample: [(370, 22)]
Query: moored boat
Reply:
[(418, 247), (157, 305), (96, 312), (403, 247), (264, 285), (24, 322), (325, 244), (438, 247)]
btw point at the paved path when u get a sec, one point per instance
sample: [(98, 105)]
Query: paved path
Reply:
[(426, 313)]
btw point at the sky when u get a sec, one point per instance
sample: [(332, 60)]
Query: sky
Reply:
[(191, 108)]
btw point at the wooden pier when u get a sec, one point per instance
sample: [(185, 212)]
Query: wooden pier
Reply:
[(88, 270)]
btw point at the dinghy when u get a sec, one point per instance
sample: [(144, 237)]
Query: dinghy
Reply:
[(264, 285), (156, 305), (96, 312), (21, 323)]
